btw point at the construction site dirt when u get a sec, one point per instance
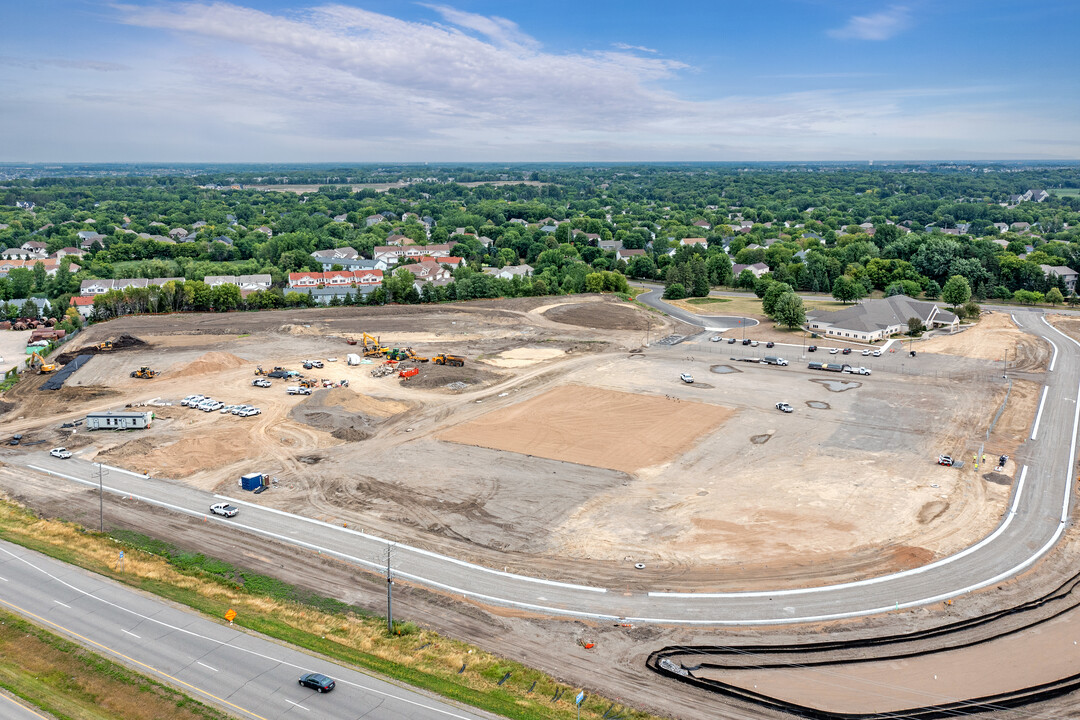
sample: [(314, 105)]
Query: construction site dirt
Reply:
[(845, 487)]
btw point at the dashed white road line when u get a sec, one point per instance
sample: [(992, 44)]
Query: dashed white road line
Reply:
[(130, 633), (199, 662), (64, 604), (297, 705)]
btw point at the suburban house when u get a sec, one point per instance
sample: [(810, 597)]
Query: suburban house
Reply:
[(324, 295), (51, 265), (690, 242), (84, 305), (177, 233), (265, 231), (392, 254), (64, 252), (355, 264), (335, 278), (1066, 273), (611, 245), (428, 270), (758, 269), (1020, 227), (510, 271), (35, 248), (878, 319), (248, 283), (99, 286), (1002, 227), (373, 220), (625, 254), (703, 224), (335, 254)]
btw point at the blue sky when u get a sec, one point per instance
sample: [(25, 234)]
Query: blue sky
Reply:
[(474, 80)]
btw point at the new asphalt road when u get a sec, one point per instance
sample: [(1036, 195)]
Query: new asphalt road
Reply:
[(1037, 517), (246, 675)]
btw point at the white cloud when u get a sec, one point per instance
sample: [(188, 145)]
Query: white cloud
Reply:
[(337, 83), (879, 26), (639, 48)]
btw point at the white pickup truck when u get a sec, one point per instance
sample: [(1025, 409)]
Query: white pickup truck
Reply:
[(298, 390), (857, 370)]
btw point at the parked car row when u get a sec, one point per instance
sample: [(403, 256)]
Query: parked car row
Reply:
[(208, 404), (845, 351)]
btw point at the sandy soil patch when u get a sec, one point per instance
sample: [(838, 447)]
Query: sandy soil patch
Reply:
[(595, 427), (523, 357), (993, 338), (211, 362)]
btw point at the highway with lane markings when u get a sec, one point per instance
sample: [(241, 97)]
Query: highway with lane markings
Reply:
[(1036, 519), (245, 674)]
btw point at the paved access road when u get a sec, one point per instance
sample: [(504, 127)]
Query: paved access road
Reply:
[(1034, 523), (246, 675)]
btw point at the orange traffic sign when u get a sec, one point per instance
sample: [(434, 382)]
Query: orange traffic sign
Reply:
[(230, 614)]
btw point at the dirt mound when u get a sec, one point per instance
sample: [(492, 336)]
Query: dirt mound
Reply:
[(210, 362), (437, 377), (598, 315), (123, 342), (347, 414)]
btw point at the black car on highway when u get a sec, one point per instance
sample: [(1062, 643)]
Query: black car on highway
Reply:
[(317, 681)]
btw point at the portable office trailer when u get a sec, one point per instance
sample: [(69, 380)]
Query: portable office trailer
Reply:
[(119, 420)]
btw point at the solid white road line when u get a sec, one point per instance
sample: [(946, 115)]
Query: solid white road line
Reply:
[(1038, 415), (1053, 358), (409, 548), (130, 633)]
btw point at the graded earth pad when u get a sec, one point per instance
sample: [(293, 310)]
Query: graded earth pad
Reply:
[(523, 357), (211, 362), (995, 337), (595, 427)]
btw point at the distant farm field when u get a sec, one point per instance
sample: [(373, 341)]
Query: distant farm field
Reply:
[(1066, 192)]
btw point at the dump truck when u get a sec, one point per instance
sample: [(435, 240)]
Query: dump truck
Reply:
[(409, 372), (144, 373), (453, 360)]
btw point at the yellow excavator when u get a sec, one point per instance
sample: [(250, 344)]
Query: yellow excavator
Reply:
[(37, 362)]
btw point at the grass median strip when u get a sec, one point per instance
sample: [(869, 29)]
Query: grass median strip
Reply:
[(68, 681), (324, 625)]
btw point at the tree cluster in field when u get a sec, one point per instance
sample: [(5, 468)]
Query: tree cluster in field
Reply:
[(835, 230)]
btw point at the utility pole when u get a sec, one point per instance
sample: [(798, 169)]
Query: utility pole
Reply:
[(101, 497), (389, 593)]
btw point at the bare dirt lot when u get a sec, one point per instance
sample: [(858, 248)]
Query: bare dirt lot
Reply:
[(555, 449), (995, 338), (590, 426)]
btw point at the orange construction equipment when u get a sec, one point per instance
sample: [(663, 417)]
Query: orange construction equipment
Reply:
[(409, 372)]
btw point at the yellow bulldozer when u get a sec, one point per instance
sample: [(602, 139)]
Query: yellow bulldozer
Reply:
[(38, 363), (107, 345), (145, 373)]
